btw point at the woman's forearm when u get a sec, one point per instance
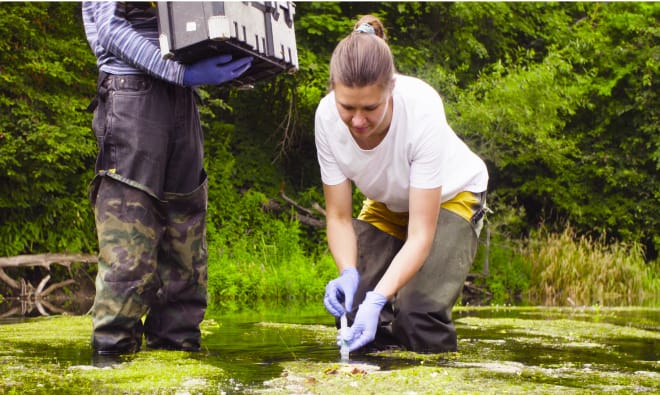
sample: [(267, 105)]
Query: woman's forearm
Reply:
[(342, 243), (404, 266)]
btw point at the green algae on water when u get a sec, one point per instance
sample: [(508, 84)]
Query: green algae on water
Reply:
[(511, 350), (32, 361)]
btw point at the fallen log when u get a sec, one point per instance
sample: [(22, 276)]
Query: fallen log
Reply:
[(303, 215), (45, 260), (40, 260)]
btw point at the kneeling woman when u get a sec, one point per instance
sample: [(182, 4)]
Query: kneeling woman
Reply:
[(403, 261)]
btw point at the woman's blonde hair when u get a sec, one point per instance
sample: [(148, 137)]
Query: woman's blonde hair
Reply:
[(363, 57)]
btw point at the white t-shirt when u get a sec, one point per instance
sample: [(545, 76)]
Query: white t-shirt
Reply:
[(420, 150)]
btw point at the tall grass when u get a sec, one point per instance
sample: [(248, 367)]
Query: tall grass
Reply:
[(270, 267), (571, 270)]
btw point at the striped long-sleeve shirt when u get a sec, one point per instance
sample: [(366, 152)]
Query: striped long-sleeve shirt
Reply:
[(125, 40)]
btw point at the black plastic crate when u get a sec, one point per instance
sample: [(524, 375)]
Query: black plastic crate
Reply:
[(191, 31)]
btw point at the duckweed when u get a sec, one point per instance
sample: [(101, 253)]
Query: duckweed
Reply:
[(501, 350)]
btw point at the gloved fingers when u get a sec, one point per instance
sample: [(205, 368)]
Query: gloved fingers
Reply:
[(219, 59), (365, 325), (331, 301), (348, 301), (240, 65), (360, 342), (358, 336), (238, 72), (344, 336), (332, 307)]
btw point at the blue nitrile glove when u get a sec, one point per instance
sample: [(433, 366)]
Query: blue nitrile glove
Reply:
[(215, 70), (366, 321), (341, 289)]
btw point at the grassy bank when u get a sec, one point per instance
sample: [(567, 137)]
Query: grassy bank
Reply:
[(269, 268), (547, 269), (563, 269), (571, 270)]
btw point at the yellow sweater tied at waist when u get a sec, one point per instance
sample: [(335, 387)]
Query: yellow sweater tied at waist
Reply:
[(466, 204)]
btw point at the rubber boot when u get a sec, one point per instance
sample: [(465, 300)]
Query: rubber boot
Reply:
[(423, 320), (173, 323), (129, 228)]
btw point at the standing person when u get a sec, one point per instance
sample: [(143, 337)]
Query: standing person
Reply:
[(403, 261), (150, 190)]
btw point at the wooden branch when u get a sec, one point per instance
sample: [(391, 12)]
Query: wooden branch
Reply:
[(8, 280), (296, 204), (26, 288), (11, 312), (53, 308), (311, 221), (45, 260), (40, 287), (55, 286), (41, 260), (41, 309), (318, 208), (307, 216)]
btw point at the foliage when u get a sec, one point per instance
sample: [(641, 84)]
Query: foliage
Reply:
[(253, 255), (508, 275), (46, 151), (560, 99), (500, 266), (266, 262), (616, 49), (588, 107)]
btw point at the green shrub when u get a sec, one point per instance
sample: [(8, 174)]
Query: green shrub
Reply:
[(505, 275), (266, 265)]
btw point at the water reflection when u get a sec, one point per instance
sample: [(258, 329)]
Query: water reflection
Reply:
[(17, 307), (647, 318), (240, 344)]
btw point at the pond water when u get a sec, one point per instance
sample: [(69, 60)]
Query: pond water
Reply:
[(252, 345), (518, 349)]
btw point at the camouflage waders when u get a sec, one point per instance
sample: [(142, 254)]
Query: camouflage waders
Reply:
[(419, 316), (150, 201)]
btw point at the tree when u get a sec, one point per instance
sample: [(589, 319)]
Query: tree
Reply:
[(46, 150), (560, 99)]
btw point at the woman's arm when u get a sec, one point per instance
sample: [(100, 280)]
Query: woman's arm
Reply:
[(422, 222), (339, 216)]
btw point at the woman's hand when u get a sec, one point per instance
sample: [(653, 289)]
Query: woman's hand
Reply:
[(341, 289), (366, 321)]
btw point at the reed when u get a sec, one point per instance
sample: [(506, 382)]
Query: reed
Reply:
[(571, 270)]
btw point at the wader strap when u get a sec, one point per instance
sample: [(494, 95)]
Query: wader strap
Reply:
[(95, 102)]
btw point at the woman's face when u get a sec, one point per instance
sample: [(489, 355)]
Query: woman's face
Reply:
[(366, 111)]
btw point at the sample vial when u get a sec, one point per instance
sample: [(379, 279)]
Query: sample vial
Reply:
[(343, 350)]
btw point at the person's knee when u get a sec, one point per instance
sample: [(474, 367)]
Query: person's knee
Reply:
[(425, 331)]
